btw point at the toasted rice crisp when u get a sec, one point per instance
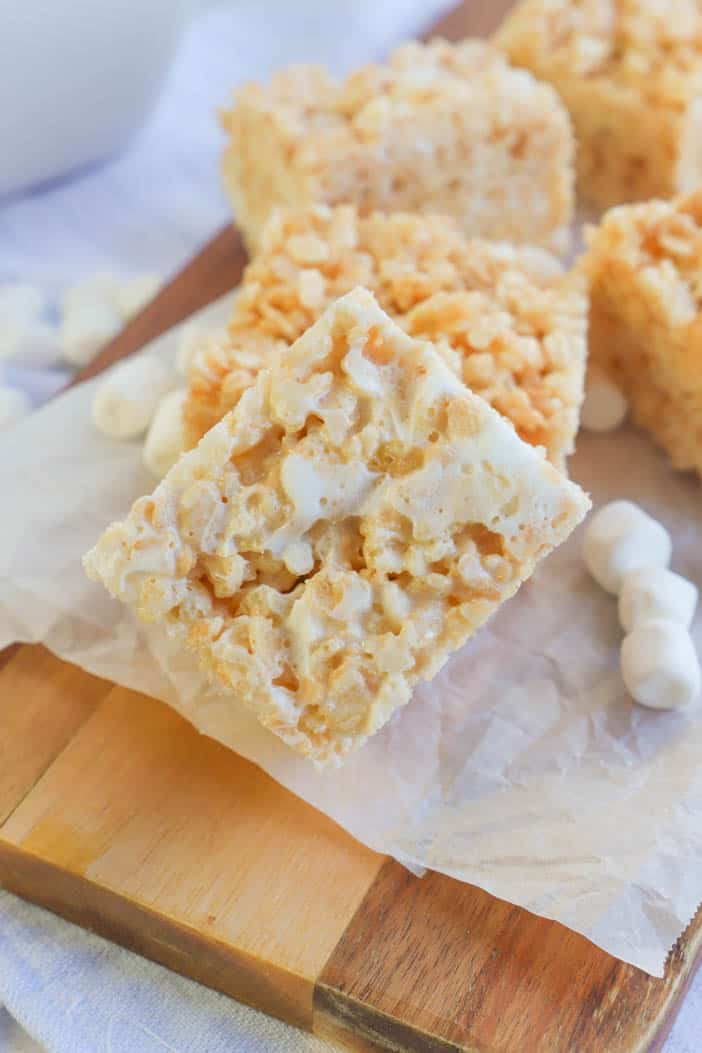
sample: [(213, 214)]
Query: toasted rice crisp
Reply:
[(644, 263), (630, 73), (355, 519), (508, 321), (444, 128)]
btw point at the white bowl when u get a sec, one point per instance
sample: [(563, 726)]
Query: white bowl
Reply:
[(77, 79)]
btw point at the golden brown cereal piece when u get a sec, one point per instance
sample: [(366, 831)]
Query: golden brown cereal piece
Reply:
[(516, 327), (443, 128), (630, 73), (644, 263), (352, 521)]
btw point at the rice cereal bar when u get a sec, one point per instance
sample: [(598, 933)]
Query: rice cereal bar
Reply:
[(446, 128), (354, 520), (644, 263), (507, 320), (630, 73)]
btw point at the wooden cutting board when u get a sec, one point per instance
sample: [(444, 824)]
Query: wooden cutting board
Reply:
[(118, 815)]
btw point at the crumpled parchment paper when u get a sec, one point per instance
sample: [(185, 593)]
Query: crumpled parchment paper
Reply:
[(523, 768)]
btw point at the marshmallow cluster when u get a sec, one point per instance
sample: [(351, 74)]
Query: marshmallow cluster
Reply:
[(95, 309), (91, 312), (145, 394), (126, 400), (627, 552)]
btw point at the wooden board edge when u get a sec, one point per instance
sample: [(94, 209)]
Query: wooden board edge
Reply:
[(690, 951), (363, 1028), (363, 1023), (155, 936), (8, 653)]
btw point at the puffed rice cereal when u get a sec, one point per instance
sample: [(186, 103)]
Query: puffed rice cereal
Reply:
[(630, 73), (447, 128), (505, 318), (644, 263), (354, 519)]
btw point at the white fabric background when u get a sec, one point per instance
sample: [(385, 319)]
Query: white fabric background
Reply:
[(148, 210)]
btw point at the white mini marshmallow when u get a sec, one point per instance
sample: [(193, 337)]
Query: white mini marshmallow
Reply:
[(191, 339), (165, 441), (29, 343), (126, 400), (621, 537), (100, 287), (14, 404), (135, 293), (660, 666), (605, 407), (20, 302), (85, 329), (655, 592)]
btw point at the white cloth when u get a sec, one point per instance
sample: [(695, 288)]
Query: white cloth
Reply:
[(149, 210)]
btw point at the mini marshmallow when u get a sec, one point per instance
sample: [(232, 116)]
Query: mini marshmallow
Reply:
[(165, 441), (20, 302), (190, 341), (605, 407), (621, 537), (126, 401), (85, 329), (99, 287), (14, 404), (11, 335), (655, 592), (29, 343), (135, 293), (660, 666)]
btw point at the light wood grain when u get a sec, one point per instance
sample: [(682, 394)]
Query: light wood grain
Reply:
[(141, 806), (43, 702)]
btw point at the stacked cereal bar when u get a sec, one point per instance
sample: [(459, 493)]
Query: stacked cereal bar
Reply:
[(354, 519), (441, 128), (510, 325), (644, 263), (630, 73)]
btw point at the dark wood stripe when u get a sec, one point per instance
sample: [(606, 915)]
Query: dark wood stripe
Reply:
[(475, 973), (347, 1021), (216, 270), (475, 18)]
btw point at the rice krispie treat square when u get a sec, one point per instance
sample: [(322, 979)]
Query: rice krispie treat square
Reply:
[(447, 128), (630, 73), (511, 325), (644, 263), (355, 519)]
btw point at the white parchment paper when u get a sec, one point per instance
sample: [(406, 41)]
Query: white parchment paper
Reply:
[(523, 768)]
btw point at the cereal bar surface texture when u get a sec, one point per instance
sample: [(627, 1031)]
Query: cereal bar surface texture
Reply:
[(630, 73), (448, 128), (645, 267), (509, 323), (354, 520)]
